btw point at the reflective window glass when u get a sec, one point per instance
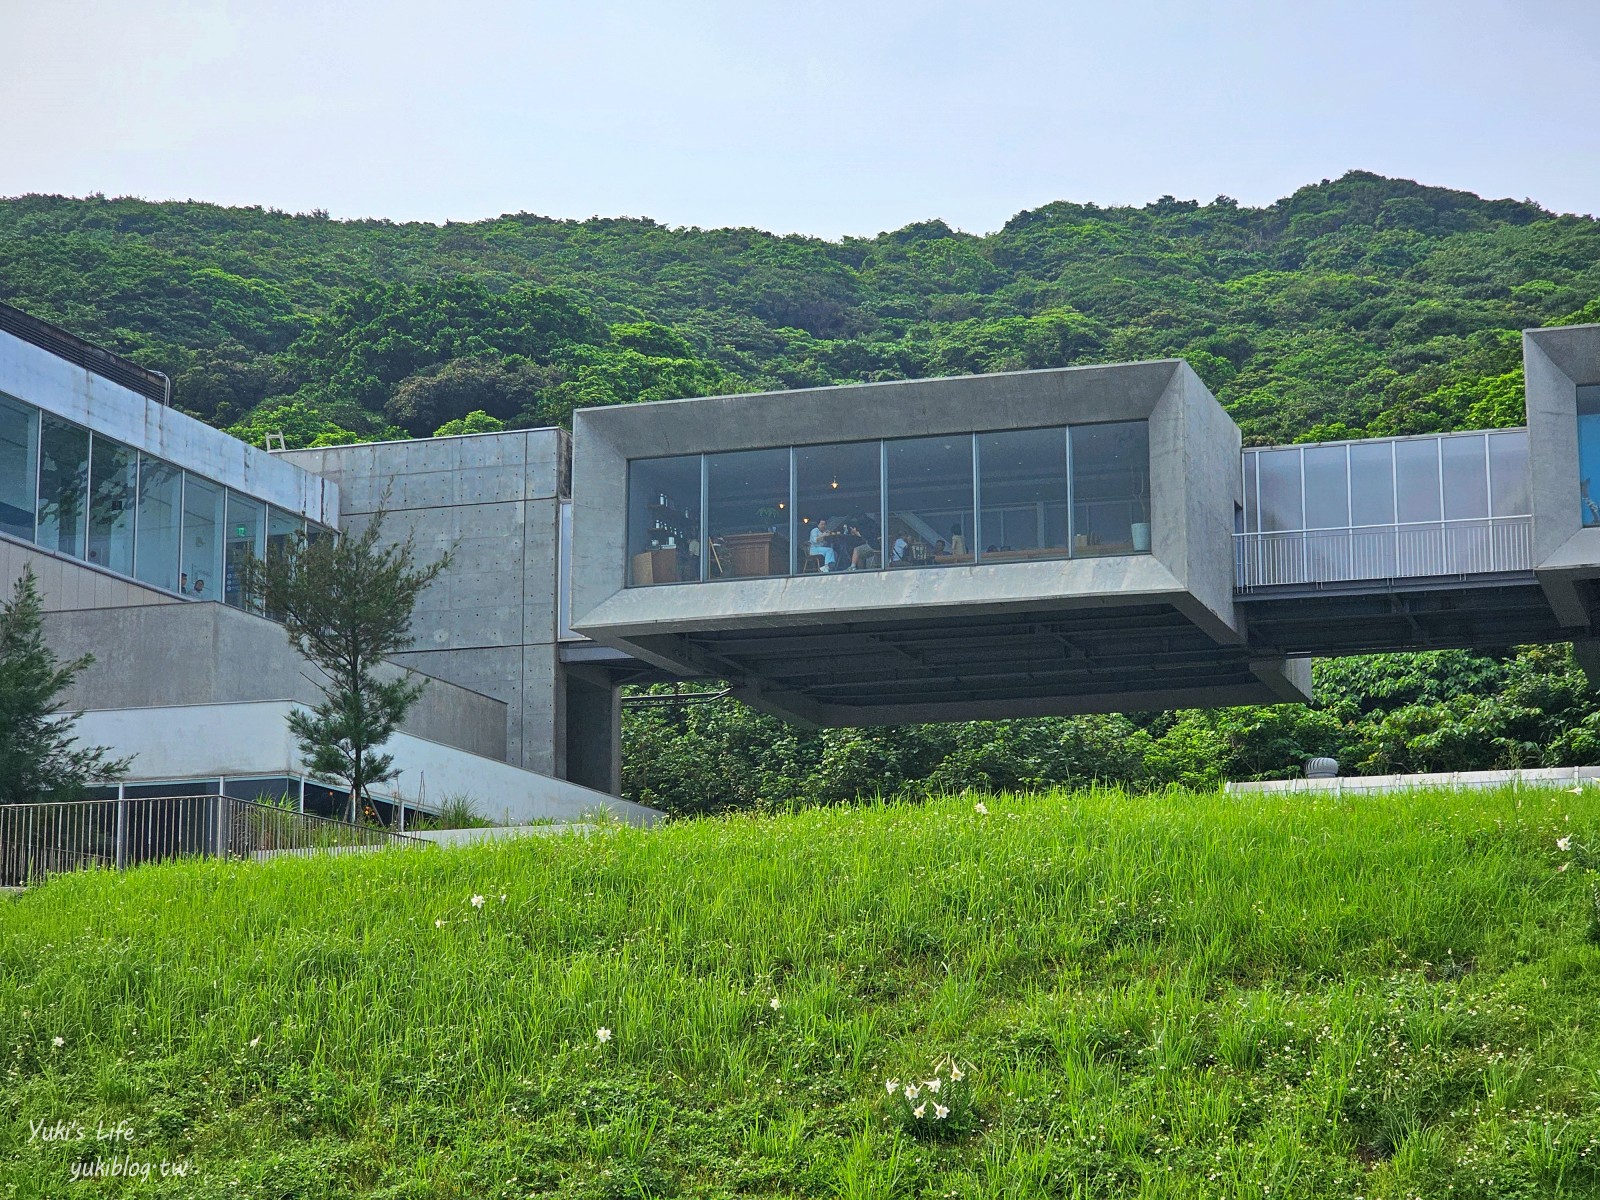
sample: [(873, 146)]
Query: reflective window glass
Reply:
[(19, 464), (1466, 477), (63, 485), (1372, 483), (1508, 473), (155, 558), (284, 529), (930, 501), (1589, 453), (200, 564), (838, 507), (113, 489), (1416, 474), (663, 520), (242, 540), (1022, 494), (1327, 488), (1252, 510), (1110, 488), (747, 513), (1280, 490)]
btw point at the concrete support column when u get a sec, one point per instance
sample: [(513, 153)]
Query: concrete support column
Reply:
[(593, 731)]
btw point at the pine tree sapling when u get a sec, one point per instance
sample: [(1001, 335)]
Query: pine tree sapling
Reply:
[(346, 605), (38, 756)]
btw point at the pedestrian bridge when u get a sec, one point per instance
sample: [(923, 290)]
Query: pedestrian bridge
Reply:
[(1087, 539)]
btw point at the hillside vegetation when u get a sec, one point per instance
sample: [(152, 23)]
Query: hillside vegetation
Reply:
[(1174, 995), (1363, 305)]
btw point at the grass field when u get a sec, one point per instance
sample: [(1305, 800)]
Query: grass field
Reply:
[(1171, 995)]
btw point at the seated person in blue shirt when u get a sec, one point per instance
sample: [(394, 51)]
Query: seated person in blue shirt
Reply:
[(818, 545)]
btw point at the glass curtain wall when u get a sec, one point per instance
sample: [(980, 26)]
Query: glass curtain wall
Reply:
[(113, 488), (930, 501), (155, 559), (243, 538), (1022, 494), (839, 507), (200, 564), (283, 530), (63, 486), (1110, 488), (664, 520), (1589, 453), (747, 513), (19, 467), (1002, 496)]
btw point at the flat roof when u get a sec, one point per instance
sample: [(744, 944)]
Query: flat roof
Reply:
[(153, 385)]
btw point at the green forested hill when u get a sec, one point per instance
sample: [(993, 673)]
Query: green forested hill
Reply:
[(1365, 304), (1362, 305)]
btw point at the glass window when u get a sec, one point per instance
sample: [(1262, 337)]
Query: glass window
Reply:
[(200, 566), (63, 485), (1589, 452), (1372, 483), (113, 488), (265, 789), (19, 464), (1508, 473), (242, 541), (663, 520), (155, 558), (1280, 490), (1022, 494), (1327, 488), (747, 513), (1416, 472), (838, 506), (1110, 488), (930, 500), (1466, 477), (284, 529)]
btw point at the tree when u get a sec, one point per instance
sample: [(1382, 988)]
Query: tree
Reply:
[(38, 758), (346, 605)]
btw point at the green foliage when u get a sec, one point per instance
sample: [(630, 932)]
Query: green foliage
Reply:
[(346, 604), (1183, 994), (473, 422), (39, 758)]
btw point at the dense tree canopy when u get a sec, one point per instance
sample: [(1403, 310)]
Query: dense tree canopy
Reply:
[(1362, 305)]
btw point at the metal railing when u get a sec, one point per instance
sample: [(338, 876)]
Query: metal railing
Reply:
[(1476, 546), (44, 839)]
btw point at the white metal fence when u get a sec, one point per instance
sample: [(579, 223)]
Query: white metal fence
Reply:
[(1401, 551)]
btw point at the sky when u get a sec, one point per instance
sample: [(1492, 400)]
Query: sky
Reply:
[(819, 117)]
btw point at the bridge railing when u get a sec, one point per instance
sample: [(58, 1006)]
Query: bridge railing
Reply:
[(37, 840), (1484, 545)]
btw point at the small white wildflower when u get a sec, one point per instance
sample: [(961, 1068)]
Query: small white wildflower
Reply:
[(934, 1084), (256, 1041), (1564, 843), (919, 1110), (891, 1086), (603, 1034), (912, 1091), (502, 897), (477, 902), (59, 1042), (439, 924), (981, 809), (774, 1004), (955, 1073), (940, 1112)]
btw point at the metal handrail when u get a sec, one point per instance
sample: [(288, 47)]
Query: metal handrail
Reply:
[(37, 840), (1402, 550)]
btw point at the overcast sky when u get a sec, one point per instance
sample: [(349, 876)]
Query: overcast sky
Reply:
[(814, 116)]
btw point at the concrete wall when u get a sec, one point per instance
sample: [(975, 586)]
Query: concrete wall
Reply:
[(209, 740), (36, 376), (66, 583), (489, 623), (1566, 554), (208, 654)]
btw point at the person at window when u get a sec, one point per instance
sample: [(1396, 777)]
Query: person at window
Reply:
[(958, 544), (940, 550), (864, 554), (900, 554), (819, 544), (199, 586)]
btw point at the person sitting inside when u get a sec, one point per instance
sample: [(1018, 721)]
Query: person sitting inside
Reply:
[(819, 546), (901, 552), (863, 555), (939, 549), (958, 544)]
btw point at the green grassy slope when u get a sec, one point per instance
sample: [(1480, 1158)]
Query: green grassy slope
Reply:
[(1177, 995)]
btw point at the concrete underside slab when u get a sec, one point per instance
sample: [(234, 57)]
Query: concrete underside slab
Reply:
[(1015, 663)]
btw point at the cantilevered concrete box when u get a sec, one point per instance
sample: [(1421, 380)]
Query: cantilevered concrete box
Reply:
[(1558, 362), (976, 641)]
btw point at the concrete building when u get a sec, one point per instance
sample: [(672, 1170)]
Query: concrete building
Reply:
[(1039, 542), (137, 520)]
